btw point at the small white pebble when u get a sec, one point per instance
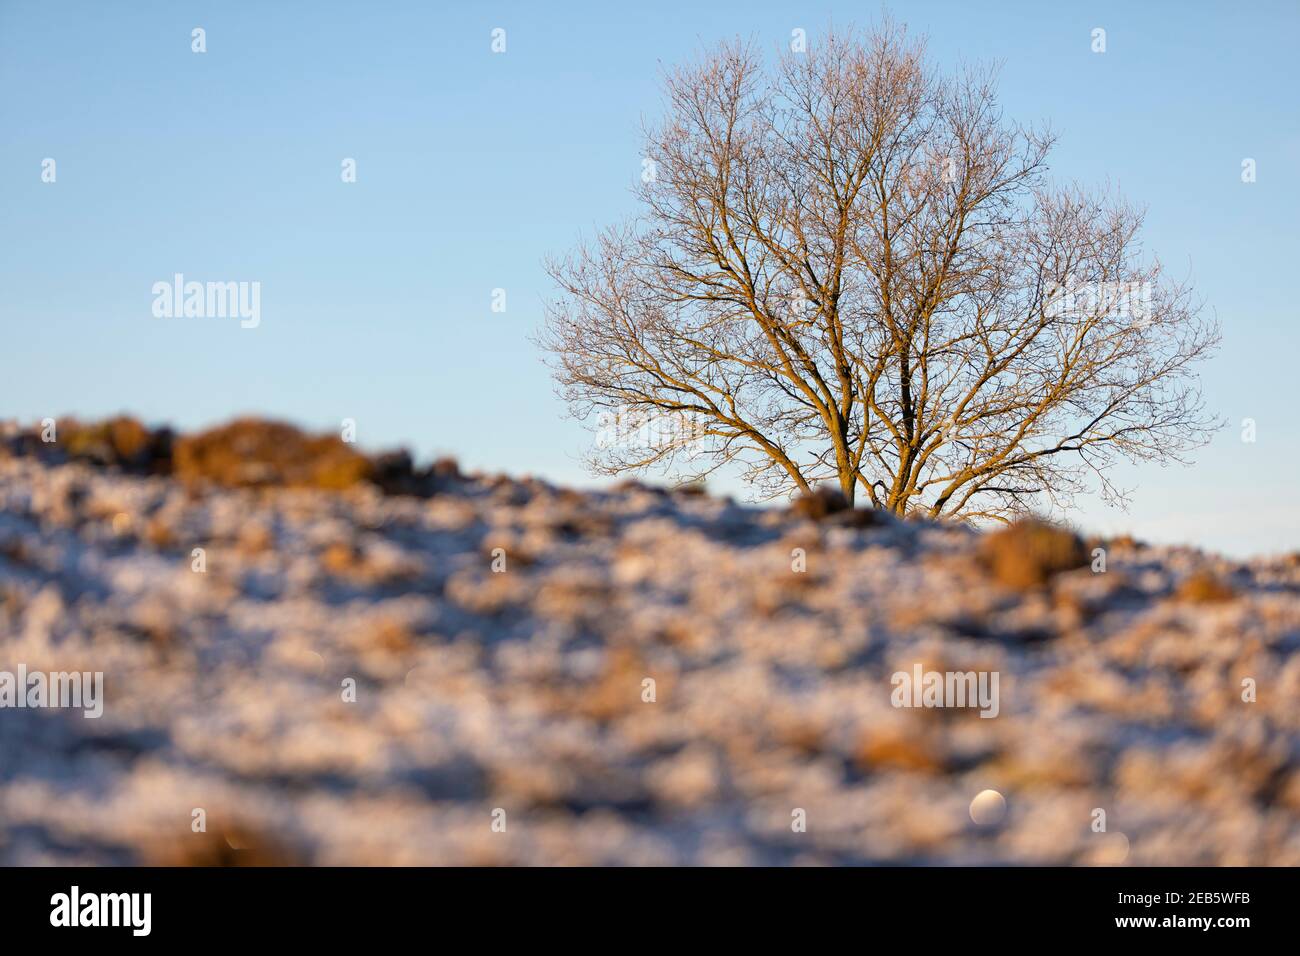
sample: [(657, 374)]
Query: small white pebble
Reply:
[(988, 808)]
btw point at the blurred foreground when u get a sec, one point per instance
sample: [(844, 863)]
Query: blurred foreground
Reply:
[(630, 677)]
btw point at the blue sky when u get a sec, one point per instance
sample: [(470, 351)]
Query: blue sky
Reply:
[(472, 166)]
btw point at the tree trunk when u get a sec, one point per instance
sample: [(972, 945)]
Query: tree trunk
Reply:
[(848, 484)]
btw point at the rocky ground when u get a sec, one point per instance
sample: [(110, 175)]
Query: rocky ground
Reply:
[(500, 635)]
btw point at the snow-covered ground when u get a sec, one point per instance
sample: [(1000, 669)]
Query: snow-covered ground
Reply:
[(502, 709)]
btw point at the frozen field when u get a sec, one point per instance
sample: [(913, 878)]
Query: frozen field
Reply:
[(523, 689)]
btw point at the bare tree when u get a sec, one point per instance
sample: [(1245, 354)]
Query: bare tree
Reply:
[(852, 268)]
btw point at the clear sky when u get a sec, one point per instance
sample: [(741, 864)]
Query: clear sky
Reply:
[(471, 166)]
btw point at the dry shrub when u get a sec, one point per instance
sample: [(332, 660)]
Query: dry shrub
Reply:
[(394, 472), (617, 691), (391, 636), (247, 452), (12, 598), (154, 623), (342, 559), (122, 441), (445, 467), (1204, 588), (236, 845), (801, 734), (681, 632), (517, 553), (785, 590), (576, 524), (1041, 765), (827, 503), (160, 534), (486, 593), (574, 597), (629, 486), (692, 489), (255, 538), (15, 550), (881, 748), (253, 453), (1076, 609), (1028, 553), (820, 503)]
